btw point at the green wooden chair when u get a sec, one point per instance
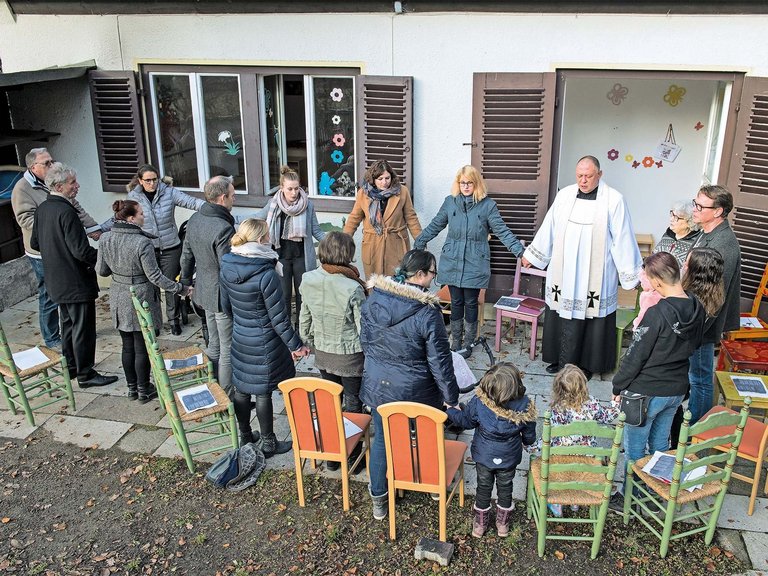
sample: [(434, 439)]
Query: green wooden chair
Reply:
[(658, 505), (624, 319), (573, 475), (33, 388), (215, 427)]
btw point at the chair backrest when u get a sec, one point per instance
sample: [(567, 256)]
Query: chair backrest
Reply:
[(708, 457), (520, 270), (314, 413), (144, 315), (762, 290), (162, 382), (601, 469), (415, 442), (6, 356)]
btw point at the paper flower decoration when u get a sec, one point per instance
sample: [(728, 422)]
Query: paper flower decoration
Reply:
[(674, 95), (337, 156), (659, 164), (337, 94), (338, 140), (647, 162), (617, 94), (324, 186), (224, 135), (233, 148), (629, 158), (635, 164), (336, 120), (698, 126), (613, 154)]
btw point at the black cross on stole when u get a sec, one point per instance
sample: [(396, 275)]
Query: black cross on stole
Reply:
[(592, 297), (556, 292)]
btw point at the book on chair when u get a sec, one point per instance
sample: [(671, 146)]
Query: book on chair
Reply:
[(531, 306)]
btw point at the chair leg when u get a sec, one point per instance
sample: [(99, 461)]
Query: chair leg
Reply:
[(345, 484), (7, 395), (391, 497), (22, 398), (534, 332), (299, 476), (461, 484), (669, 518), (181, 440), (619, 338), (599, 526), (499, 321), (443, 513), (232, 426), (542, 525)]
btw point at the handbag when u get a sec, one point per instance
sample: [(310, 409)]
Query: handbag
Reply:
[(635, 407), (667, 149)]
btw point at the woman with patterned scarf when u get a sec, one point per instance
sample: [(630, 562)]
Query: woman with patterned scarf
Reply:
[(385, 208), (292, 224)]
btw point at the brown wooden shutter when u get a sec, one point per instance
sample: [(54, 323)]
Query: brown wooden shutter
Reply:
[(385, 124), (748, 182), (117, 120), (512, 127)]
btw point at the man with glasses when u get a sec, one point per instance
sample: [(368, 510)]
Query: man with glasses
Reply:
[(28, 193), (587, 245), (710, 211)]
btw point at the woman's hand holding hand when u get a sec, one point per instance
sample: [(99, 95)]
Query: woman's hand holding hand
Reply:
[(300, 353), (524, 261)]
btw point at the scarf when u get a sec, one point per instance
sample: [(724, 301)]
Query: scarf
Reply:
[(349, 271), (597, 255), (295, 227), (258, 250), (375, 197)]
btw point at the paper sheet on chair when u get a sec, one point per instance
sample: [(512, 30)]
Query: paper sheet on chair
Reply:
[(749, 322), (178, 363), (28, 358), (464, 376), (661, 466), (196, 398), (751, 386), (350, 428)]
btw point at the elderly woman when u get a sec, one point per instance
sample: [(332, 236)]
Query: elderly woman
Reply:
[(126, 253), (264, 344), (465, 263), (158, 201), (292, 224), (385, 208), (682, 233), (407, 356)]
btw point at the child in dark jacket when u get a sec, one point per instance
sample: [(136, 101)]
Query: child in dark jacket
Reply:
[(505, 419)]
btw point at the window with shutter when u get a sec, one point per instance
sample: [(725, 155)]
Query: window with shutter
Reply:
[(748, 182), (512, 127), (385, 124), (117, 120)]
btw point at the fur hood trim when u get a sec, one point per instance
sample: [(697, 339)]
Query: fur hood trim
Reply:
[(512, 415), (387, 284)]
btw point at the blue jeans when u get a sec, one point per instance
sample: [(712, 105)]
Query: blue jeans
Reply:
[(655, 432), (701, 373), (378, 465), (48, 311)]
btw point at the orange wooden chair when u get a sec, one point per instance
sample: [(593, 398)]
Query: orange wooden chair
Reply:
[(314, 413), (419, 457), (524, 314), (752, 448), (748, 333)]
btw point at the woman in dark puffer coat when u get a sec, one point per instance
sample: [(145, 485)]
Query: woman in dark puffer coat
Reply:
[(264, 344), (407, 354)]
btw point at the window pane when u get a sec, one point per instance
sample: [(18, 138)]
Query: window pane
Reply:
[(223, 128), (334, 136), (177, 133), (273, 132)]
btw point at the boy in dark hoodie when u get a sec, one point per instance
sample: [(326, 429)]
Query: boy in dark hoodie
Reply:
[(505, 419), (656, 363)]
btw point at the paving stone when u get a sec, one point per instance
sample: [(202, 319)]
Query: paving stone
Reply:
[(757, 548), (434, 550), (143, 440), (732, 541), (82, 399), (29, 304), (169, 448), (122, 409), (734, 514), (85, 432), (18, 426)]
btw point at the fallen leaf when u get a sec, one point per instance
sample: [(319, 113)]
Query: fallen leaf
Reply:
[(182, 541), (715, 551), (274, 537), (728, 554), (5, 520), (619, 564), (559, 555)]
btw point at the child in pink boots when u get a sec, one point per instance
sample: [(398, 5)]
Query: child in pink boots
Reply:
[(505, 420)]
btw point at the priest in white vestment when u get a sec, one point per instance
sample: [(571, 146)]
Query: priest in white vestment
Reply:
[(587, 244)]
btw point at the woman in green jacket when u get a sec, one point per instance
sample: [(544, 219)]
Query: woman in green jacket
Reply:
[(465, 261)]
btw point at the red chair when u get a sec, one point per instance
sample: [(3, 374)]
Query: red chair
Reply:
[(524, 314)]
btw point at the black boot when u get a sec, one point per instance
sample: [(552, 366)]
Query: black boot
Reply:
[(270, 445), (133, 392), (457, 334), (175, 327), (470, 333), (146, 392), (249, 437)]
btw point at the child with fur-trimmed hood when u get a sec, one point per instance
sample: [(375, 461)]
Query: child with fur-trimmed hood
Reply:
[(505, 420)]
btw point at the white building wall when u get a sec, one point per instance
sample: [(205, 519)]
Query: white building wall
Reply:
[(441, 52)]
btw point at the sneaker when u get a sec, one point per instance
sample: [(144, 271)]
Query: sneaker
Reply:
[(556, 510), (616, 503)]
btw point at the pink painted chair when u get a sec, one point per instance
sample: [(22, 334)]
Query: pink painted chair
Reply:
[(525, 314)]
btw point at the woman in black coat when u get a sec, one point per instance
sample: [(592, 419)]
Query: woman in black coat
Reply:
[(264, 344), (407, 354)]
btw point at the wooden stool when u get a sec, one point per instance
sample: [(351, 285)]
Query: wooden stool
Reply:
[(732, 398)]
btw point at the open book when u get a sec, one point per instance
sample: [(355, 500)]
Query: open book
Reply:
[(661, 466), (749, 386)]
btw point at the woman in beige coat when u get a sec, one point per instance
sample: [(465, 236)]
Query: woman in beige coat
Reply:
[(385, 208)]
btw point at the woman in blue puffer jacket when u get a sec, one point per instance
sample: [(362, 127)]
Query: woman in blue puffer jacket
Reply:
[(264, 344), (407, 355)]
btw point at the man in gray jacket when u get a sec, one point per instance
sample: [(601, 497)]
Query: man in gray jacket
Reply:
[(710, 210), (28, 193), (208, 234)]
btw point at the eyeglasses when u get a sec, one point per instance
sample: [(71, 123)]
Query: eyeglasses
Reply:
[(149, 180), (674, 217), (48, 163), (700, 207), (466, 184)]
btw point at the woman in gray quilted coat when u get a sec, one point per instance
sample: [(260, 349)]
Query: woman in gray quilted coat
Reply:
[(127, 254), (158, 201)]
